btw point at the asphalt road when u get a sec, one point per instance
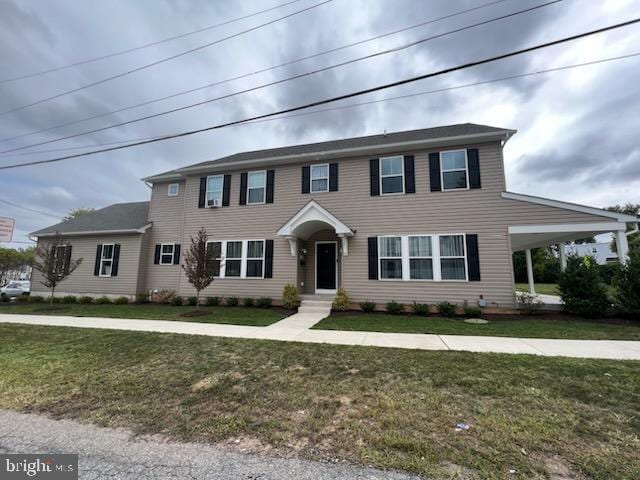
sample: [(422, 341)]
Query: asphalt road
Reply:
[(114, 454)]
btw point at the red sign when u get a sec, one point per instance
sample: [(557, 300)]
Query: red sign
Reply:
[(6, 229)]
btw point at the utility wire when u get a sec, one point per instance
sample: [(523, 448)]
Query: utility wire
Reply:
[(147, 45), (340, 97), (256, 72), (354, 105), (162, 60), (287, 79), (31, 209)]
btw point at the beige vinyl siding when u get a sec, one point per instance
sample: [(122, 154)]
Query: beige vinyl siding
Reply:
[(481, 211), (83, 282)]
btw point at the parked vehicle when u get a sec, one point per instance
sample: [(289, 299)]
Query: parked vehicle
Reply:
[(15, 288)]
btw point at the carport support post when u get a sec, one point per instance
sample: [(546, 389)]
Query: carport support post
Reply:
[(622, 245), (563, 257), (532, 289)]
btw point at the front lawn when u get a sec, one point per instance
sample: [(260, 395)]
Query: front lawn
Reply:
[(390, 408), (548, 326), (232, 315), (541, 288)]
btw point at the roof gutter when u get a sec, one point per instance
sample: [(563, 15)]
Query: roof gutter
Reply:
[(93, 232)]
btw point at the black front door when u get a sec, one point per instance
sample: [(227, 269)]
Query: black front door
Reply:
[(326, 266)]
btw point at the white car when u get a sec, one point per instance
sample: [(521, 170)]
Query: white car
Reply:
[(15, 288)]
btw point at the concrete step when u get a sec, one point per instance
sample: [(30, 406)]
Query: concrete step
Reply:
[(316, 303), (321, 310)]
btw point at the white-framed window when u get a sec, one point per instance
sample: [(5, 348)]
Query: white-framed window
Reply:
[(391, 175), (454, 170), (217, 257), (173, 189), (215, 185), (166, 253), (390, 258), (256, 187), (106, 260), (59, 258), (320, 178), (233, 259), (420, 257), (255, 258), (453, 257)]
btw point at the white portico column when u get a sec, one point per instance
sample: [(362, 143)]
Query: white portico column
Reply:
[(532, 288), (622, 246), (563, 257)]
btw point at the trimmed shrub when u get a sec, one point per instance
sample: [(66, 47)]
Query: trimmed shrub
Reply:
[(529, 303), (340, 301), (192, 301), (264, 302), (420, 308), (290, 298), (581, 288), (472, 312), (69, 299), (103, 300), (35, 299), (55, 299), (232, 301), (121, 301), (394, 308), (85, 300), (163, 296), (22, 298), (608, 272), (447, 309), (248, 302), (367, 306), (627, 283), (142, 298), (212, 301), (176, 301), (4, 298)]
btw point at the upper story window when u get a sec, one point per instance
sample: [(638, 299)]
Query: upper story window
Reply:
[(233, 260), (166, 254), (453, 259), (215, 186), (390, 258), (454, 169), (391, 175), (106, 260), (420, 258), (173, 189), (256, 187), (320, 178)]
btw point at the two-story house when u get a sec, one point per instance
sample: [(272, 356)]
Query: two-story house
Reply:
[(418, 215)]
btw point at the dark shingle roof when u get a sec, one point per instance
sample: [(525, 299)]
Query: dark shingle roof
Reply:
[(120, 216)]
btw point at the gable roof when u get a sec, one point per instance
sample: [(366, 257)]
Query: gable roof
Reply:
[(446, 135), (118, 218)]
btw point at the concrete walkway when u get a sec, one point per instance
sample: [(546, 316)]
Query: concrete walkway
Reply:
[(297, 328)]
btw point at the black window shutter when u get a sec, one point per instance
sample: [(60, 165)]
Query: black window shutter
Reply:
[(226, 191), (434, 171), (474, 167), (156, 255), (203, 192), (409, 175), (271, 174), (268, 259), (176, 254), (473, 258), (116, 260), (306, 179), (243, 189), (67, 258), (374, 172), (333, 177), (373, 258), (96, 268)]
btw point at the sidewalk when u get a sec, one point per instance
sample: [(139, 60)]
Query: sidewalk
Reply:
[(297, 328)]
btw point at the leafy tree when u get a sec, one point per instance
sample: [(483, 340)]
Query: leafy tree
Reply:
[(55, 264), (546, 266), (627, 283), (582, 289), (78, 212), (198, 263), (13, 259)]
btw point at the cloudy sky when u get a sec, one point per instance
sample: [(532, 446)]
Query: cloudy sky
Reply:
[(577, 129)]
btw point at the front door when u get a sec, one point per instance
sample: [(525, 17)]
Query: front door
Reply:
[(326, 267)]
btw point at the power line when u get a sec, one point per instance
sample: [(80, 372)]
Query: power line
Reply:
[(256, 72), (166, 59), (339, 97), (354, 105), (31, 209), (287, 79), (147, 45)]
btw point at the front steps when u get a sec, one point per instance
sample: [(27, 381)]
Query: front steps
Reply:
[(316, 307)]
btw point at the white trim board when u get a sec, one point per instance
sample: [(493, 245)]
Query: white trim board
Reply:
[(566, 227), (94, 232)]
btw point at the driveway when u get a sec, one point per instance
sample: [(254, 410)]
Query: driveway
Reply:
[(114, 454)]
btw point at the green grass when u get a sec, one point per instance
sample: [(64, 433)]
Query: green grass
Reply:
[(516, 326), (542, 288), (390, 408), (230, 315)]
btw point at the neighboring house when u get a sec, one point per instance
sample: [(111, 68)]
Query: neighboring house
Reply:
[(600, 251), (418, 215)]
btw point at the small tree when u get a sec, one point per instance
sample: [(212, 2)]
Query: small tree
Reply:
[(627, 283), (54, 262), (199, 263), (582, 289)]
